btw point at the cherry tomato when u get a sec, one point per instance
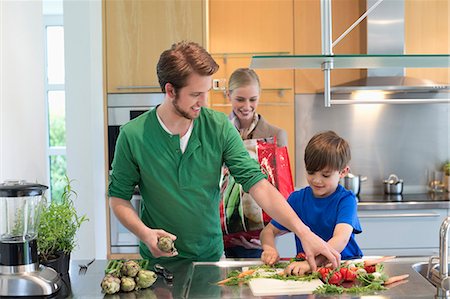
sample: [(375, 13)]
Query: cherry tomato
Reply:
[(324, 273), (336, 278), (300, 256), (347, 274), (370, 269)]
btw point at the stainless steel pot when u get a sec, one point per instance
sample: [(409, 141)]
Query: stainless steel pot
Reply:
[(393, 185), (353, 182)]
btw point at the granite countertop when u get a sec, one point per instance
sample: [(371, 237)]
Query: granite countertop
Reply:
[(404, 201), (189, 281)]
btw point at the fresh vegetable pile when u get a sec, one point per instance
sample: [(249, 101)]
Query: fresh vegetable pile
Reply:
[(363, 277), (354, 278), (127, 276)]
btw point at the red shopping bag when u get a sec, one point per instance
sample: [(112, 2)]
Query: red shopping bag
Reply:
[(239, 213)]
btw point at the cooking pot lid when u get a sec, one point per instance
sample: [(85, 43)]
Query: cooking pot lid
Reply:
[(393, 180), (21, 189)]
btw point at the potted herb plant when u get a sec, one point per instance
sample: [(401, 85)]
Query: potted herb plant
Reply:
[(58, 225), (446, 169)]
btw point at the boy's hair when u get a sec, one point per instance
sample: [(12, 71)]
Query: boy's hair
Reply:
[(242, 77), (327, 150), (181, 60)]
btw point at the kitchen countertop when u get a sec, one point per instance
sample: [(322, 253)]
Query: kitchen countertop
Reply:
[(405, 201), (203, 275)]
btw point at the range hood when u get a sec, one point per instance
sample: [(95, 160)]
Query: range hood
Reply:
[(385, 36)]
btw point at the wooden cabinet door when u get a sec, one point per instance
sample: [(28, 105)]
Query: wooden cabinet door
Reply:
[(427, 32), (240, 29), (136, 32)]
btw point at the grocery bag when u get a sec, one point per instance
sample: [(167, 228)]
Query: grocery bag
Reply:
[(240, 215)]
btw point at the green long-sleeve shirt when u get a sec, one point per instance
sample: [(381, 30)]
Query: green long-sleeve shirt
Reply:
[(180, 191)]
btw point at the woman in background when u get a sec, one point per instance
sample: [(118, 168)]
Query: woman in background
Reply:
[(244, 90)]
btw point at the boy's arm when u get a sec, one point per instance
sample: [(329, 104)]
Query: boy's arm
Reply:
[(270, 254), (341, 236)]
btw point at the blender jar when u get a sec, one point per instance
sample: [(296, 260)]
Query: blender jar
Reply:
[(20, 206)]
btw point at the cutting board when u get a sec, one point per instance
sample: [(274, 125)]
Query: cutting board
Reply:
[(272, 287), (263, 286)]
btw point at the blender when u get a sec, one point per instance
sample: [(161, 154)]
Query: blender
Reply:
[(20, 271)]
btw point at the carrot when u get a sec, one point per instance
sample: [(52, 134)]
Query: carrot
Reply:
[(224, 281), (377, 261), (245, 273), (396, 278), (240, 275)]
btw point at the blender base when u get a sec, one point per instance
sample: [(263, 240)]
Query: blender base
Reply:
[(43, 282)]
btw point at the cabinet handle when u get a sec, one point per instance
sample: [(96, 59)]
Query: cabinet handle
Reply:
[(137, 87), (400, 215)]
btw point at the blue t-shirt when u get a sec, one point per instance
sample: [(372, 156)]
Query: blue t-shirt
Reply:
[(322, 215)]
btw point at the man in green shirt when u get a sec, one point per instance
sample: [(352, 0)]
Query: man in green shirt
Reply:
[(175, 153)]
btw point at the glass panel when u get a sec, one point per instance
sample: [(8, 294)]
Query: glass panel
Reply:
[(58, 169), (57, 118), (55, 54), (350, 61)]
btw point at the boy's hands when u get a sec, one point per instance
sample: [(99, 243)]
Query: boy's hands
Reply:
[(270, 255), (298, 268)]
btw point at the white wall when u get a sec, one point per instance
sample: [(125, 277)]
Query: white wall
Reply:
[(23, 125), (22, 105), (84, 121)]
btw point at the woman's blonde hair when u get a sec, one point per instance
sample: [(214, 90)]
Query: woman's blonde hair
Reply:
[(242, 77)]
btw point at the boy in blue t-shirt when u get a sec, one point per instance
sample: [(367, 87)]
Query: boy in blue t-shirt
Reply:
[(329, 210)]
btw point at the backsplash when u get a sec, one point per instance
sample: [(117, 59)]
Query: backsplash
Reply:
[(406, 139)]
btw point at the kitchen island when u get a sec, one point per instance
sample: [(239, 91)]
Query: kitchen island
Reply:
[(196, 280)]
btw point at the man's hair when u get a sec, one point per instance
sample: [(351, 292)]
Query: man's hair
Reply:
[(327, 150), (181, 60), (242, 77)]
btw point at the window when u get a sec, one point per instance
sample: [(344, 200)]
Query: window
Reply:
[(55, 102)]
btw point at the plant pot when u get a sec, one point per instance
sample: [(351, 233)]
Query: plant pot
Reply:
[(60, 263)]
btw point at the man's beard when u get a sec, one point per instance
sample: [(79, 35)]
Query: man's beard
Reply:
[(179, 110)]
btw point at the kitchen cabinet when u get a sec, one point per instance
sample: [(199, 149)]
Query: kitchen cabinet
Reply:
[(240, 29), (427, 32), (136, 32), (400, 232)]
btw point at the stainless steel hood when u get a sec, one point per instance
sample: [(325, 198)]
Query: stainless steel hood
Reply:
[(385, 36)]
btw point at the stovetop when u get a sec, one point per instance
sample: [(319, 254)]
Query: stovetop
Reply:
[(421, 197)]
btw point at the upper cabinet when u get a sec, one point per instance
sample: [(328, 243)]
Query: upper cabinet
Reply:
[(136, 32), (427, 32)]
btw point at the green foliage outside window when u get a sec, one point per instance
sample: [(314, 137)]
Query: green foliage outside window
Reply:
[(58, 165)]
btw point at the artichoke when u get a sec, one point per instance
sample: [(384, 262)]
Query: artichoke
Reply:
[(127, 284), (130, 268), (145, 278), (166, 244), (110, 284)]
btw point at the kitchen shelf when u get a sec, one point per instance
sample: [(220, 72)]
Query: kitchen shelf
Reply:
[(259, 104), (280, 91), (350, 61)]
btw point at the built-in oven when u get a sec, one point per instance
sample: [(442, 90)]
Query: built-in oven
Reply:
[(121, 109)]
